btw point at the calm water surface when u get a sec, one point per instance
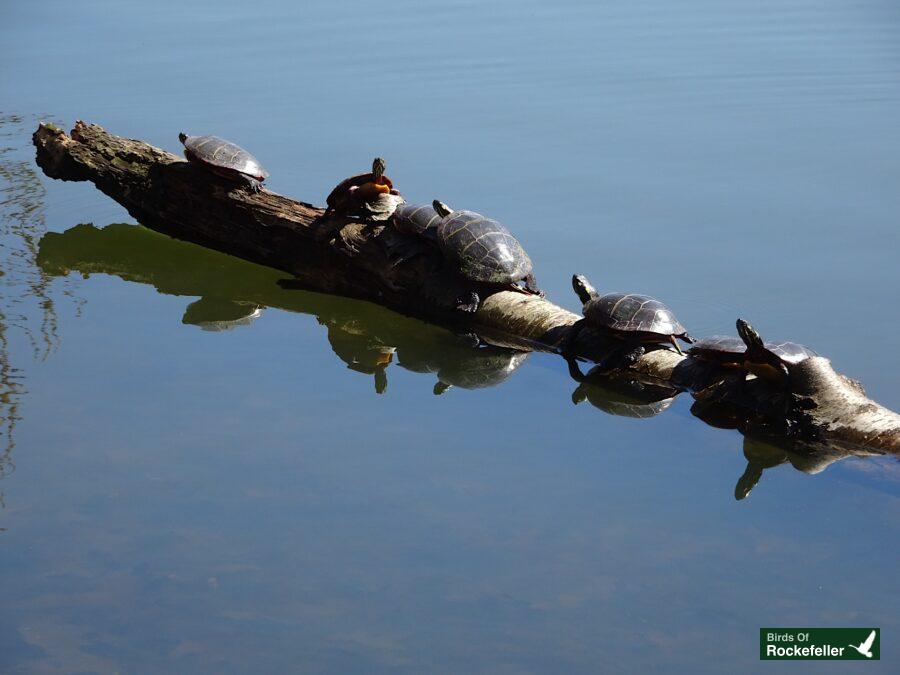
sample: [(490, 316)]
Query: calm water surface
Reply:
[(199, 473)]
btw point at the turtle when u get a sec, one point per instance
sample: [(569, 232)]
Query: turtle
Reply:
[(368, 195), (225, 159), (770, 361), (482, 250), (633, 318), (419, 220)]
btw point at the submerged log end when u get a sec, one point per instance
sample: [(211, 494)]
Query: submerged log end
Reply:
[(839, 408), (54, 153)]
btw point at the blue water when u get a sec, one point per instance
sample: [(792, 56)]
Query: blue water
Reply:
[(208, 487)]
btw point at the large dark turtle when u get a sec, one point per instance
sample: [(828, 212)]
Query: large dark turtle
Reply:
[(482, 250), (770, 361), (635, 319), (225, 159), (368, 195)]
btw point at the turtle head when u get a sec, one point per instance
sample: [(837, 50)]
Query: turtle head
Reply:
[(378, 167), (583, 288), (441, 208), (749, 335), (182, 137), (440, 387)]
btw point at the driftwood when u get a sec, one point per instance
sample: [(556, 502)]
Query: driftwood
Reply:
[(167, 194)]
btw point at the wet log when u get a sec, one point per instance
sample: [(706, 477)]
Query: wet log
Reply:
[(375, 263)]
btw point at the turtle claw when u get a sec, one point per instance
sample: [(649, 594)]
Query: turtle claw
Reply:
[(532, 287), (468, 303), (622, 357)]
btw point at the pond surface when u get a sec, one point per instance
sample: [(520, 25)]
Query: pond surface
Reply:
[(204, 472)]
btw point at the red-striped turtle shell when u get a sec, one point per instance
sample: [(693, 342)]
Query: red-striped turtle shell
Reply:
[(728, 348), (223, 155), (337, 198)]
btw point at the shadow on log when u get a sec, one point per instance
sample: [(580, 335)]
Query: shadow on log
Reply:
[(167, 194)]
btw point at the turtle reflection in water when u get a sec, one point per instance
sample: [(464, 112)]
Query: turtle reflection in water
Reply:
[(620, 394), (360, 349), (767, 452), (460, 362), (478, 368), (218, 314)]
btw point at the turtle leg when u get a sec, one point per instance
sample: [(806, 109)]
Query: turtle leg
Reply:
[(468, 302), (531, 286), (254, 185), (622, 357), (574, 371), (675, 344), (568, 346), (470, 340)]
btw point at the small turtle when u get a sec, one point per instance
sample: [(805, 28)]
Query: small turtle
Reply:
[(482, 250), (768, 360), (369, 195), (632, 318), (225, 159), (417, 219)]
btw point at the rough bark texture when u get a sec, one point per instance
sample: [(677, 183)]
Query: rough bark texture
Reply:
[(167, 194)]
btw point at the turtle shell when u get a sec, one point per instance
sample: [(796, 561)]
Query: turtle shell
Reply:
[(218, 152), (631, 312), (718, 346), (724, 346), (482, 249), (339, 194), (790, 352), (416, 219)]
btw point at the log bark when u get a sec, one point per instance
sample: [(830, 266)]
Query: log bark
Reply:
[(375, 263)]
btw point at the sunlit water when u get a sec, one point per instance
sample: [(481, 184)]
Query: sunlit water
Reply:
[(198, 471)]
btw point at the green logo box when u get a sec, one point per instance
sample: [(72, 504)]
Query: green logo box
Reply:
[(820, 644)]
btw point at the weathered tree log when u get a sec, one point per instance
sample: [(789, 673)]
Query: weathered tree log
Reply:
[(170, 195)]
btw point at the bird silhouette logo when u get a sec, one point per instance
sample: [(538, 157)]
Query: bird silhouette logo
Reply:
[(865, 648)]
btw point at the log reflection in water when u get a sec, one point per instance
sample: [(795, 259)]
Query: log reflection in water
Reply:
[(370, 338), (233, 293)]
